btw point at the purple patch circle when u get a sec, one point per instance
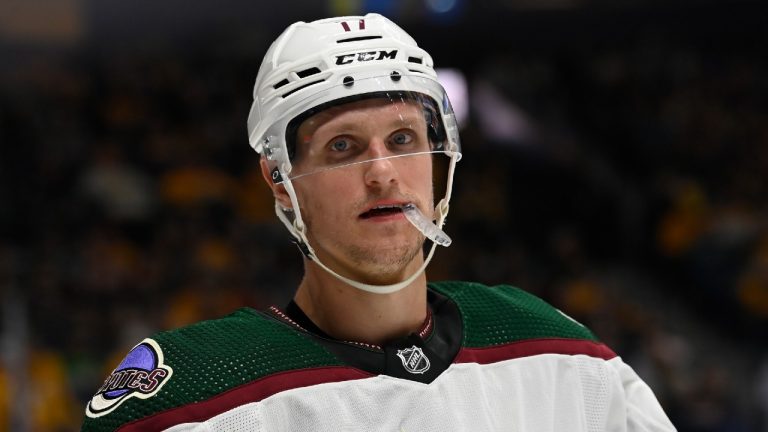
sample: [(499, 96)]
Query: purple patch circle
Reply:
[(141, 357)]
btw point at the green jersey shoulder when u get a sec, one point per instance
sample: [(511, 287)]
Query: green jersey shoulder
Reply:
[(194, 363)]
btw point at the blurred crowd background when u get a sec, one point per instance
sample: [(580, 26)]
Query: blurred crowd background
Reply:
[(615, 159)]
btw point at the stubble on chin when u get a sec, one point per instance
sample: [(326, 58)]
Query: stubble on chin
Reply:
[(384, 262)]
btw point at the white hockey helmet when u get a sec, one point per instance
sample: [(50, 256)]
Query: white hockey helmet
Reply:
[(312, 66)]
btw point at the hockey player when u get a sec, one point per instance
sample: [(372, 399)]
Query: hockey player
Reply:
[(359, 144)]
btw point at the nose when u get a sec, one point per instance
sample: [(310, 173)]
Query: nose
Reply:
[(380, 171)]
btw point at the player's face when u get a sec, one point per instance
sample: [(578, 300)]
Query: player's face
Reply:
[(345, 208)]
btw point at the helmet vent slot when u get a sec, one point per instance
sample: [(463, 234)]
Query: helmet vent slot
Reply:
[(359, 38), (418, 60), (280, 84), (302, 87), (307, 72)]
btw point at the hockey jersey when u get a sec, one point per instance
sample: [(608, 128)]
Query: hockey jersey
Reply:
[(486, 359)]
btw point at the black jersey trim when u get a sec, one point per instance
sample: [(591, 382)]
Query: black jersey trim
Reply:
[(439, 340)]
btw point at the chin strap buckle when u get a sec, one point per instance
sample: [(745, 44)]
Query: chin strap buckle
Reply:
[(301, 240), (302, 247)]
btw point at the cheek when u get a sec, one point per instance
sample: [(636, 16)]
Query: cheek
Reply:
[(322, 198), (417, 176)]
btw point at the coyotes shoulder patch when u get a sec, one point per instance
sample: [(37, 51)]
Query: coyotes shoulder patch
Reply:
[(141, 374)]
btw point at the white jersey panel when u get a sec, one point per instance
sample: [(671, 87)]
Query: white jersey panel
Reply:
[(550, 392)]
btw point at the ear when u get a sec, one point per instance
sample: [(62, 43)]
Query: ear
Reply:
[(278, 190)]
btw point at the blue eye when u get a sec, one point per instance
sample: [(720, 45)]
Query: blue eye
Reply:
[(340, 145), (402, 138)]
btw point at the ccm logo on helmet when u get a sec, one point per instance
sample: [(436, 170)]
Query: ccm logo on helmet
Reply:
[(365, 56)]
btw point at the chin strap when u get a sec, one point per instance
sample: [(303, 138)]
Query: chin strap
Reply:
[(297, 228)]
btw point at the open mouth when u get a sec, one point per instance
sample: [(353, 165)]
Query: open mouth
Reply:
[(383, 210)]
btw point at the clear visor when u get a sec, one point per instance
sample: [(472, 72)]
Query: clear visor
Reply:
[(378, 125), (382, 127)]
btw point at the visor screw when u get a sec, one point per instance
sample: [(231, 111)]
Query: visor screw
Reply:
[(348, 81), (276, 175), (395, 75)]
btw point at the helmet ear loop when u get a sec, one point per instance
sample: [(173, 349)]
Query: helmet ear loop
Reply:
[(443, 206), (297, 228), (441, 211)]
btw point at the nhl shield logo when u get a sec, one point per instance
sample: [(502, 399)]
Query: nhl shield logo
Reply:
[(414, 360)]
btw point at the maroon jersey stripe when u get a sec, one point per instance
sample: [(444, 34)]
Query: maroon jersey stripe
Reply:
[(534, 347), (251, 392)]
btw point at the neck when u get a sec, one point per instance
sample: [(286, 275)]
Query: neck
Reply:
[(348, 313)]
